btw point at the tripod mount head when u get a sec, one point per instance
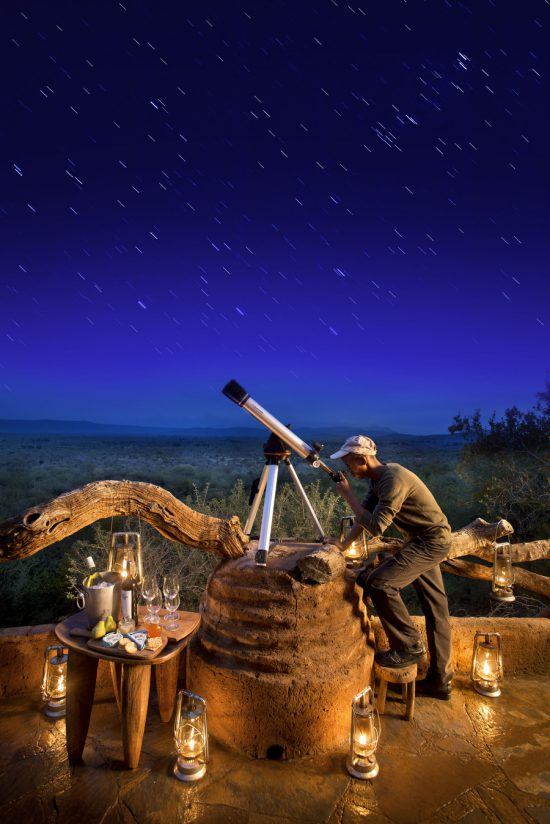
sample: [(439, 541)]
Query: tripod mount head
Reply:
[(275, 450)]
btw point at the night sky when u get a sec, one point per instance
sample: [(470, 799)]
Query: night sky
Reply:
[(344, 207)]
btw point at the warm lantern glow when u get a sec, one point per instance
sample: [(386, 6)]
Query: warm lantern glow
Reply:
[(503, 572), (126, 546), (487, 664), (356, 552), (365, 732), (190, 736), (54, 681)]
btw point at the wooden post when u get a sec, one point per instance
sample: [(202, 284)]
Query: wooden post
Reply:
[(381, 698), (81, 678), (166, 678), (116, 675), (409, 711), (134, 698)]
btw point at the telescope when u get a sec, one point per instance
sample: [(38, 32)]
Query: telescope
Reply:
[(235, 392), (276, 451)]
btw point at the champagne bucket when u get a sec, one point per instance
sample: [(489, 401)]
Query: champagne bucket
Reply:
[(99, 602)]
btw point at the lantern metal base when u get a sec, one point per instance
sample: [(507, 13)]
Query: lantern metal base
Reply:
[(363, 769), (488, 692), (354, 563), (503, 595), (188, 772), (55, 709)]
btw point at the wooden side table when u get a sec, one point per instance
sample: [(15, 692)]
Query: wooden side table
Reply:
[(131, 682)]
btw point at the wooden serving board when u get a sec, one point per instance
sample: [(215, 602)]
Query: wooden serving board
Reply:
[(187, 622), (122, 655)]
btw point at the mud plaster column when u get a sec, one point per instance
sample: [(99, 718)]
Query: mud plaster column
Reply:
[(282, 651)]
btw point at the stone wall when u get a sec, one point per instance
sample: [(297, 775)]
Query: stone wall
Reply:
[(525, 642), (526, 645), (22, 658)]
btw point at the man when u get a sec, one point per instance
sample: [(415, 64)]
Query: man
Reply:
[(398, 496)]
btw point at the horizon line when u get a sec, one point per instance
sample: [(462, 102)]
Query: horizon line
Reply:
[(250, 427)]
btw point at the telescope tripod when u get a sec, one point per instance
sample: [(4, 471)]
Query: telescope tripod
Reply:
[(276, 453)]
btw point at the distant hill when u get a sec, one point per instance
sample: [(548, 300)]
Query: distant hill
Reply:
[(56, 427)]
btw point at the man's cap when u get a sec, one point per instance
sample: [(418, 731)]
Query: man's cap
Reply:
[(357, 445)]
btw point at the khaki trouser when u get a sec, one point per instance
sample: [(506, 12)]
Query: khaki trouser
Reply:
[(416, 563)]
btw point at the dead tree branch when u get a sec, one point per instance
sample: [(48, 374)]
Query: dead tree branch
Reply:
[(539, 584), (50, 522)]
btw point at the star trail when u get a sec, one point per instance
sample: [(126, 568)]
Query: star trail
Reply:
[(342, 206)]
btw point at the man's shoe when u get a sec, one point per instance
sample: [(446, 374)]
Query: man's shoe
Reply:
[(399, 658), (432, 688)]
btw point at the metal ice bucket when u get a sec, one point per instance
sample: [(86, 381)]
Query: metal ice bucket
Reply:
[(100, 602)]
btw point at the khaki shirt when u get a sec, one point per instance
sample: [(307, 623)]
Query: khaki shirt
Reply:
[(399, 496)]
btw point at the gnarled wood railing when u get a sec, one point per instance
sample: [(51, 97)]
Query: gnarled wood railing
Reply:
[(45, 524)]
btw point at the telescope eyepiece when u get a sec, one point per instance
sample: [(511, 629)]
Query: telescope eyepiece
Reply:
[(236, 393)]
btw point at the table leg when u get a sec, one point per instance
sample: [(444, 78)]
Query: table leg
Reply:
[(116, 675), (134, 697), (166, 677), (187, 663), (381, 698), (81, 677), (411, 689)]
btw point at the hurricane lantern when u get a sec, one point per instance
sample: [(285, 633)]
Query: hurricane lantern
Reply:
[(487, 663), (126, 546), (364, 735), (356, 552), (503, 572), (54, 681), (190, 736)]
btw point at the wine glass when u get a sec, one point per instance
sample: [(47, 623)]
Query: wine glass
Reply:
[(151, 596), (171, 590), (171, 602)]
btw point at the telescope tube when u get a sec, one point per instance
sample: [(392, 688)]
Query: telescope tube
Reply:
[(236, 393)]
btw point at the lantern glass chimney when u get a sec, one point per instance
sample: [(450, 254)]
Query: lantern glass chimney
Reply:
[(125, 555), (503, 572), (487, 670), (364, 735), (356, 552), (54, 681), (190, 736)]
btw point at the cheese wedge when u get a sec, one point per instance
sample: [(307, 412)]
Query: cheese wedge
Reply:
[(139, 637), (111, 639)]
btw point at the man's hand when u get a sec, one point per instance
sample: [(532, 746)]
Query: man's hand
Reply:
[(342, 487)]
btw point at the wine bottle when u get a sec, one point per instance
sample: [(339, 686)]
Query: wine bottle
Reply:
[(128, 595), (92, 571)]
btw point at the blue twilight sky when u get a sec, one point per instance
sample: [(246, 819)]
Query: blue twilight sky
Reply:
[(344, 207)]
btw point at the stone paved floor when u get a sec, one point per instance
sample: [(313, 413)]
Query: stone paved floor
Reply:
[(472, 760)]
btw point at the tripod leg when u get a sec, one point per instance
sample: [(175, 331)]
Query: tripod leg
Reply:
[(267, 515), (301, 490), (256, 502)]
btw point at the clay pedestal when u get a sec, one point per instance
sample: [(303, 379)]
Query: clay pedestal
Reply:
[(279, 658)]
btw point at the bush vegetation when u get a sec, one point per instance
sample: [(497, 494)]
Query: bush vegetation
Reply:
[(468, 478)]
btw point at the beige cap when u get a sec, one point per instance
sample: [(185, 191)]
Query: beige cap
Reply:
[(358, 445)]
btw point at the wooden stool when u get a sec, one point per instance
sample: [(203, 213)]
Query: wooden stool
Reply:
[(406, 677)]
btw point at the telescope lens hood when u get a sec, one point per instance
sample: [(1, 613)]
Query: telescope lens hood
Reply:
[(235, 392)]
